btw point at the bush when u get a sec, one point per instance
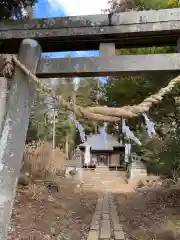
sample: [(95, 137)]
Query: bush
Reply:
[(162, 154)]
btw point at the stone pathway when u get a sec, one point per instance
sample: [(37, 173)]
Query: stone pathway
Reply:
[(105, 223)]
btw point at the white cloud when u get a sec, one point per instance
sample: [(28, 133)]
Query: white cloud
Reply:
[(80, 7)]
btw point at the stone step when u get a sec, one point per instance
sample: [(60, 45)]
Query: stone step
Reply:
[(137, 163), (135, 166)]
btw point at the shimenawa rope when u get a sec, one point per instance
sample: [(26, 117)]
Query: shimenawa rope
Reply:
[(100, 113)]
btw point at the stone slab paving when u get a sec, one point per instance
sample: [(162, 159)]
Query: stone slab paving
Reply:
[(105, 223)]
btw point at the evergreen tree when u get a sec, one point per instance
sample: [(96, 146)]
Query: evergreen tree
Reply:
[(14, 8)]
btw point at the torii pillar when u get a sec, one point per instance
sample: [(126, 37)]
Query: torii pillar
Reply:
[(13, 134)]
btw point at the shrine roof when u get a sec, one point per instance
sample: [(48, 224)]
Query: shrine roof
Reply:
[(97, 143)]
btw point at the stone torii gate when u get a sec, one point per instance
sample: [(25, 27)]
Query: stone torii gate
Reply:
[(30, 38)]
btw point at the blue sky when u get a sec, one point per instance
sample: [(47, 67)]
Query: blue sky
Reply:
[(61, 8)]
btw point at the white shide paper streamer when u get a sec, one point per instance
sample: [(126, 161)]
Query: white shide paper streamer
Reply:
[(129, 133), (149, 126), (87, 155), (79, 127), (127, 151), (103, 133)]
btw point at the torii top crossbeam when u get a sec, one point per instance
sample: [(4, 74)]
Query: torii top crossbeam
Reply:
[(130, 29)]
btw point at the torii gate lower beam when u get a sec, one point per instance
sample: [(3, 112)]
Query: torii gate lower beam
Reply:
[(14, 131)]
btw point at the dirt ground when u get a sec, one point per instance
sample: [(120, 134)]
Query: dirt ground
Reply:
[(40, 212), (150, 213)]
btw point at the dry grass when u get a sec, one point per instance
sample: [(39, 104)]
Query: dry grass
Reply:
[(43, 210), (41, 161)]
